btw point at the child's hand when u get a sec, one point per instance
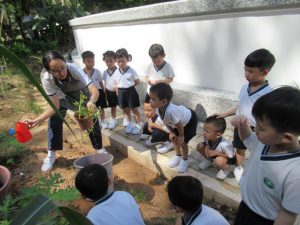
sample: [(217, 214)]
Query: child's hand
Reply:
[(210, 153), (239, 121), (152, 82), (31, 123), (92, 106), (180, 140), (219, 115), (173, 138)]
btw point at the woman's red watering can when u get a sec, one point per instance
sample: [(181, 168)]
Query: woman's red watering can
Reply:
[(22, 132)]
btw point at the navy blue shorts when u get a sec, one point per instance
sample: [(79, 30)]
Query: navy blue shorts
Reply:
[(128, 98), (112, 98), (101, 100)]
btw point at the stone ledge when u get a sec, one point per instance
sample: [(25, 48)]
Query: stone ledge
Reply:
[(182, 9), (220, 191)]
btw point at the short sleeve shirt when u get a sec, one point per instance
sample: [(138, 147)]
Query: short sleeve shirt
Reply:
[(51, 88), (111, 79), (127, 78), (96, 77), (223, 146), (270, 181), (174, 114), (154, 73)]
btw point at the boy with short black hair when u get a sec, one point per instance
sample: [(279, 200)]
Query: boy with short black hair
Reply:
[(257, 66), (159, 71), (271, 181), (186, 194), (155, 128), (215, 148), (181, 121), (115, 208), (94, 74)]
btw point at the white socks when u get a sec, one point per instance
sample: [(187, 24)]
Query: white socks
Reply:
[(51, 154)]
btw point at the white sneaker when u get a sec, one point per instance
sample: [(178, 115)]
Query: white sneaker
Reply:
[(204, 164), (144, 136), (165, 148), (126, 122), (136, 129), (48, 163), (104, 125), (174, 161), (112, 124), (223, 174), (183, 166), (101, 150), (238, 172), (129, 128)]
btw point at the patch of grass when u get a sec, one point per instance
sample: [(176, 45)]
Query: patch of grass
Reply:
[(32, 106), (161, 221), (139, 195)]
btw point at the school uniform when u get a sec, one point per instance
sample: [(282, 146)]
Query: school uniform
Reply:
[(223, 146), (205, 216), (245, 104), (157, 135), (269, 182), (155, 73), (127, 94), (68, 92), (110, 82), (96, 80), (116, 208), (174, 114)]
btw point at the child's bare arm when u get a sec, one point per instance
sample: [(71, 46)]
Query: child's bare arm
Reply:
[(136, 82), (241, 122), (180, 129), (167, 80), (213, 153), (230, 112), (285, 217)]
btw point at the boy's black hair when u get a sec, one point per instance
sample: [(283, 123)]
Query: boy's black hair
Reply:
[(185, 192), (51, 55), (163, 91), (109, 54), (281, 108), (87, 54), (122, 52), (156, 50), (219, 123), (260, 58), (92, 181)]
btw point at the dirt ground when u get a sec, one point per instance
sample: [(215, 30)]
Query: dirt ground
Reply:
[(148, 188)]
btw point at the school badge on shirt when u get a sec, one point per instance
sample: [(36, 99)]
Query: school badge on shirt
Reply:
[(269, 183)]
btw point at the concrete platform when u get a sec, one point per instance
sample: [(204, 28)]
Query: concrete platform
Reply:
[(224, 192)]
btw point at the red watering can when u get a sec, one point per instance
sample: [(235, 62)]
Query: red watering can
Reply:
[(22, 132)]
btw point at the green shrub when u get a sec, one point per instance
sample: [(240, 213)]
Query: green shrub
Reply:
[(37, 46), (20, 49)]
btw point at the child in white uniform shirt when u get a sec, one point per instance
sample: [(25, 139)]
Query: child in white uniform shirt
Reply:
[(115, 208), (181, 121), (159, 71), (110, 80), (215, 148), (257, 66), (128, 97), (186, 194), (94, 74), (271, 180)]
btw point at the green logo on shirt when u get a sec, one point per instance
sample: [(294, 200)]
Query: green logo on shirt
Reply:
[(269, 183)]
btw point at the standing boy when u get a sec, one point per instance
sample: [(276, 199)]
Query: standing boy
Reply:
[(271, 181), (181, 121), (257, 66), (159, 71), (186, 194), (115, 208), (94, 74)]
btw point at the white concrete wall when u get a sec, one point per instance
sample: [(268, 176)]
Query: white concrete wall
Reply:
[(206, 52)]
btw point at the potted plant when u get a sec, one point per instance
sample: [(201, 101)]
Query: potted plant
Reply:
[(83, 115), (4, 180)]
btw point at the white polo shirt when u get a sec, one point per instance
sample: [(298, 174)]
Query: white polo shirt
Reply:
[(159, 121), (127, 78), (270, 181), (174, 114), (116, 208), (247, 100), (111, 79), (96, 77), (50, 87), (154, 73), (207, 216), (222, 146)]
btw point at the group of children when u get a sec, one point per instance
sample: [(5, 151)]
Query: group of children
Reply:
[(270, 180)]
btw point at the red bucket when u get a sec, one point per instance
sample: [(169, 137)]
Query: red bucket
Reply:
[(22, 132)]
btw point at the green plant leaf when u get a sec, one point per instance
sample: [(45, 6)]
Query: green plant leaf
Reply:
[(74, 217), (21, 65), (39, 206)]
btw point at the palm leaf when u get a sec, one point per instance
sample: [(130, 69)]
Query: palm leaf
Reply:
[(74, 217), (21, 65)]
